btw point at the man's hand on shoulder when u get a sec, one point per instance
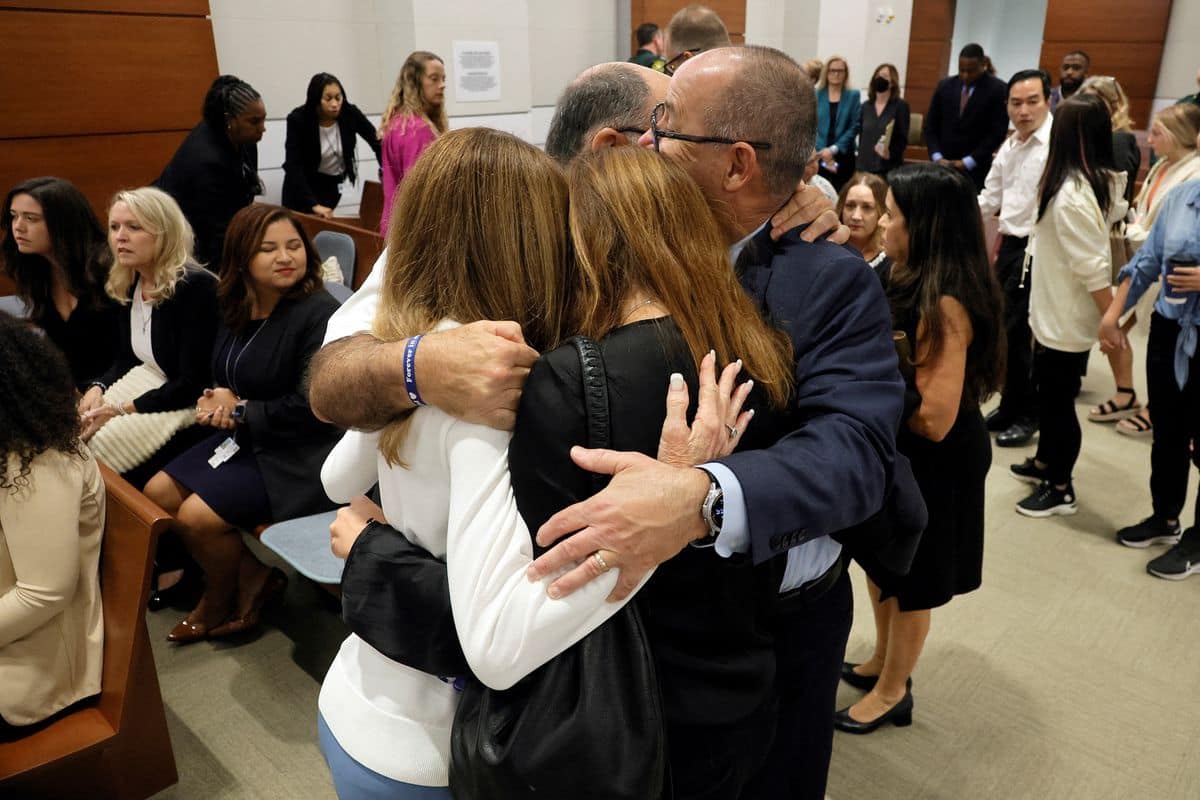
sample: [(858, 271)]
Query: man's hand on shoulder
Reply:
[(475, 372), (645, 516), (809, 206)]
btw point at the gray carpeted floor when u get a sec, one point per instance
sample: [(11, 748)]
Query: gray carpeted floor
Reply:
[(1070, 674)]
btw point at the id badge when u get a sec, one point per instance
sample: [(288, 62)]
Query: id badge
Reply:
[(225, 451)]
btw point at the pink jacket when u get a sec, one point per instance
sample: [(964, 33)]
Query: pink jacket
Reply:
[(404, 141)]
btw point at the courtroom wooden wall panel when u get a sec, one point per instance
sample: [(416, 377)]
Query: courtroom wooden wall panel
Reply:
[(928, 50), (1122, 40), (731, 12), (103, 73), (98, 165), (1107, 21), (186, 8), (931, 19)]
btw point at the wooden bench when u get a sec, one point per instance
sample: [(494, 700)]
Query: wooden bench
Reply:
[(370, 206), (115, 745)]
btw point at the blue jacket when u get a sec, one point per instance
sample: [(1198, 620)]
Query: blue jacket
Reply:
[(1174, 234), (849, 120), (840, 465)]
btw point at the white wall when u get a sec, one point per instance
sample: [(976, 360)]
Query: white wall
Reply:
[(807, 29), (277, 45), (1181, 57), (1010, 31)]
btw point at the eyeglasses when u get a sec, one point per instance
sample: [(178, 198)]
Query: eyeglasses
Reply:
[(638, 132), (657, 133), (674, 64)]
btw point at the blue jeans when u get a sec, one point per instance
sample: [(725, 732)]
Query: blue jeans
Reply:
[(353, 781)]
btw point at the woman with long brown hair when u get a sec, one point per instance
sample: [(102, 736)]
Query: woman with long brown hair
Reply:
[(638, 265), (947, 301), (414, 117)]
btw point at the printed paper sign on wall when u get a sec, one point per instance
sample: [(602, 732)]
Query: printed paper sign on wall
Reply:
[(477, 71)]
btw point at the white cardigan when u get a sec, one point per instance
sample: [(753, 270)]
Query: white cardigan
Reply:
[(1072, 257), (455, 500)]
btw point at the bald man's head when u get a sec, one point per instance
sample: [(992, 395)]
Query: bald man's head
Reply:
[(751, 93), (606, 105)]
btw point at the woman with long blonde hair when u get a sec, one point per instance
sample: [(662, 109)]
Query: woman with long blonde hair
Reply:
[(414, 117), (493, 244), (1173, 140)]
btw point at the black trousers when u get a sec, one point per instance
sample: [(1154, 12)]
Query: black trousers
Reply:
[(1057, 375), (327, 188), (1176, 421), (716, 762), (1018, 401), (810, 646)]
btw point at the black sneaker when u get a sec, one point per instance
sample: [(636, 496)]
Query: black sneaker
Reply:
[(1029, 472), (1180, 561), (1151, 530), (1048, 501)]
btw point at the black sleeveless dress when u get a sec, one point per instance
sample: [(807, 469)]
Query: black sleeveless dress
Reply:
[(951, 474)]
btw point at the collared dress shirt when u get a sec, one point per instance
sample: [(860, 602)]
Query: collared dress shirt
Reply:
[(1012, 183)]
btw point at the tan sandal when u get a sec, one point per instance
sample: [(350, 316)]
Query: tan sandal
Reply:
[(1137, 425), (1110, 411)]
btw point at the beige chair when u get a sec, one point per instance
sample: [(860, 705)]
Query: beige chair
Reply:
[(114, 745)]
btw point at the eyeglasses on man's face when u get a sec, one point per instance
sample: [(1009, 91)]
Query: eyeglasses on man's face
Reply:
[(657, 133), (676, 62)]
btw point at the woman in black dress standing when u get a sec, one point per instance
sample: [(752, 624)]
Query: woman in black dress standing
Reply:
[(319, 151), (214, 173), (945, 299), (262, 464), (885, 123), (56, 252)]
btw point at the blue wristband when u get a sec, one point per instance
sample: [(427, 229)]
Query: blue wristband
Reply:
[(410, 370)]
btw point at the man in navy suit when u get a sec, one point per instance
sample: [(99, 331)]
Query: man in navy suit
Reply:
[(831, 473), (967, 119)]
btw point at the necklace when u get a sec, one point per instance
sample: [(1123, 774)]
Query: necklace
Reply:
[(638, 307), (229, 373)]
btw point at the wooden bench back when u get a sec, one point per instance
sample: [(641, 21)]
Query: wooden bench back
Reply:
[(367, 244), (115, 745), (370, 206)]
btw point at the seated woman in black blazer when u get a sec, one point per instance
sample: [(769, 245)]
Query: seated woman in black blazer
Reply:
[(163, 340), (262, 462), (319, 152), (55, 251)]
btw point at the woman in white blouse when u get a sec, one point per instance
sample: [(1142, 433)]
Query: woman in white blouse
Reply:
[(1082, 195)]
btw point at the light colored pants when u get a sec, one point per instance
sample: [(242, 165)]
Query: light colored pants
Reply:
[(353, 781)]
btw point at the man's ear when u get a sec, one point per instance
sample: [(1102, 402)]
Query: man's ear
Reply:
[(607, 137), (742, 167)]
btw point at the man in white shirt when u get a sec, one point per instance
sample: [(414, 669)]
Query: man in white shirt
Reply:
[(1011, 189)]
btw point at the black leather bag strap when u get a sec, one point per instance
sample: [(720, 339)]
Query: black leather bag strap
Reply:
[(595, 398)]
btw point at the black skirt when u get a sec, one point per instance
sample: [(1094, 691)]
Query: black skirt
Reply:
[(951, 474), (234, 490)]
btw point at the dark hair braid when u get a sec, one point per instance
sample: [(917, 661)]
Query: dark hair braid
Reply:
[(226, 98)]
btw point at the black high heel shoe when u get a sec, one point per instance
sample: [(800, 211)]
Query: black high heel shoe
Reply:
[(184, 593), (899, 715), (864, 682)]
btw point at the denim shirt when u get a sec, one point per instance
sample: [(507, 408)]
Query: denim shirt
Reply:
[(1175, 234)]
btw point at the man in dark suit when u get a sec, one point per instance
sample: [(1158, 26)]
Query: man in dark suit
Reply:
[(829, 474), (967, 119)]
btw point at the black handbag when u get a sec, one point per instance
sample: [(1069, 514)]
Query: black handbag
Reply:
[(587, 724)]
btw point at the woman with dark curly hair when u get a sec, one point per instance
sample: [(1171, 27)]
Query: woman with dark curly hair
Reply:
[(55, 250), (51, 523)]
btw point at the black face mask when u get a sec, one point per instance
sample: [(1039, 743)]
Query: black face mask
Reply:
[(880, 84)]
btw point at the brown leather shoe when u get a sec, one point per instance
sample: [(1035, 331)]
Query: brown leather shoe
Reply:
[(188, 632), (272, 589)]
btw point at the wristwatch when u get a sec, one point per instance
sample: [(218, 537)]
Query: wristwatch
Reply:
[(712, 511), (239, 411)]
